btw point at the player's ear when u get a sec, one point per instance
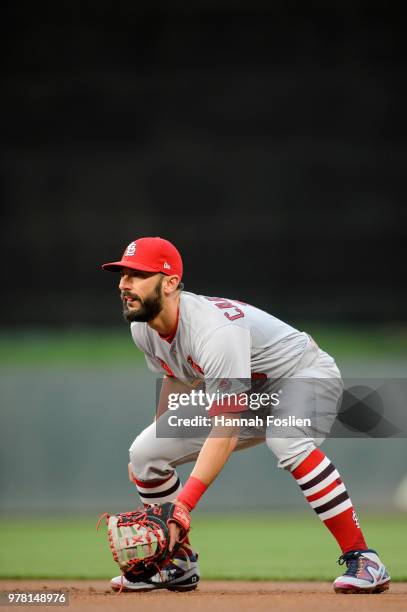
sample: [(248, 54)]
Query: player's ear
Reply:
[(170, 284)]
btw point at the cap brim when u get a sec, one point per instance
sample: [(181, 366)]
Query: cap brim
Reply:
[(116, 266)]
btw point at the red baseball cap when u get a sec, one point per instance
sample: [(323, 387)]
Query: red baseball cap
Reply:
[(149, 255)]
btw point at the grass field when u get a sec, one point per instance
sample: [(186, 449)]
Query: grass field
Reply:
[(110, 346), (234, 546), (254, 547)]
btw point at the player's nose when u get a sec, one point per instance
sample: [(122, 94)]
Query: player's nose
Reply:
[(124, 282)]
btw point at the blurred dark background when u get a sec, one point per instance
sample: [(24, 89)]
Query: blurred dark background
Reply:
[(267, 140)]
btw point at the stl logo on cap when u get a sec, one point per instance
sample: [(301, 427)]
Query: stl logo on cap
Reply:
[(131, 249)]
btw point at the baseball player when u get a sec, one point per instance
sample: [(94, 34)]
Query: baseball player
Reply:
[(193, 339)]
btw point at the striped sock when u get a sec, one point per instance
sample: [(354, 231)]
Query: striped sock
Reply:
[(160, 490), (324, 490)]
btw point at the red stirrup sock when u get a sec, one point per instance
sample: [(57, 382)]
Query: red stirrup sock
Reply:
[(158, 491), (324, 490)]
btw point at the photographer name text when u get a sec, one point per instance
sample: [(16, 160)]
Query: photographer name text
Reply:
[(227, 421)]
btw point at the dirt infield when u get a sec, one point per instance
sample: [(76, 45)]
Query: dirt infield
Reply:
[(215, 597)]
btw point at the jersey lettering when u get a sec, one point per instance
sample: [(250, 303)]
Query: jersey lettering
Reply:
[(222, 303)]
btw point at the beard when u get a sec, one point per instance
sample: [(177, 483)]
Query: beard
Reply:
[(149, 308)]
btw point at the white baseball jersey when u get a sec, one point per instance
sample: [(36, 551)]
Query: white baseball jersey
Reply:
[(219, 338)]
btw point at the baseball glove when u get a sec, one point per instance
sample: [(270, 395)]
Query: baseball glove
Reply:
[(139, 540)]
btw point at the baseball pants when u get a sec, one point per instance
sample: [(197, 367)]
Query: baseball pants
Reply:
[(314, 389)]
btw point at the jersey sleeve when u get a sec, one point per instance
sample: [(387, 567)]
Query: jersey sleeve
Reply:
[(153, 365), (225, 360), (158, 366)]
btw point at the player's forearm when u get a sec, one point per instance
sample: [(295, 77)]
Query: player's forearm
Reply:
[(169, 385), (213, 456)]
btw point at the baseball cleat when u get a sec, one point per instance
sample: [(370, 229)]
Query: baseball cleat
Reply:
[(365, 573), (180, 573)]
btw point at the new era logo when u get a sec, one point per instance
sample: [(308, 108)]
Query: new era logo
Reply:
[(167, 266)]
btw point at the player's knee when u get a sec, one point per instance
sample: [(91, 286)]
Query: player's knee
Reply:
[(290, 450), (140, 456)]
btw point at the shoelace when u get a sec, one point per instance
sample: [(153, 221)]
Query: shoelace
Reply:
[(352, 563)]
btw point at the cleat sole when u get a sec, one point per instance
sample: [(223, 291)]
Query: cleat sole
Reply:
[(147, 589), (117, 588), (183, 588), (350, 589)]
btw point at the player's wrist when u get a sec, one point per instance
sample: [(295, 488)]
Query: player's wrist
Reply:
[(192, 492), (182, 505)]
